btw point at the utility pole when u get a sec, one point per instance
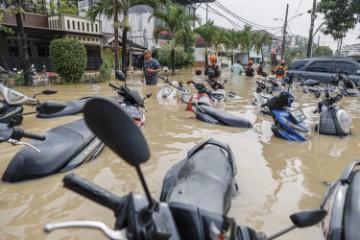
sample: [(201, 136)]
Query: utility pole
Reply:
[(284, 33), (206, 55), (116, 35), (313, 16)]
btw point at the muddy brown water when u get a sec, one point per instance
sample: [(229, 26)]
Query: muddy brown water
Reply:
[(276, 178)]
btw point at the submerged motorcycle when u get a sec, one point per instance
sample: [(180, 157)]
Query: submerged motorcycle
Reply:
[(288, 122), (139, 217), (202, 105), (266, 89), (333, 120), (347, 88), (130, 100), (61, 149), (11, 108), (172, 90), (341, 201)]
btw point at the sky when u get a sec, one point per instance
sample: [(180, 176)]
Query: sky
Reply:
[(263, 12)]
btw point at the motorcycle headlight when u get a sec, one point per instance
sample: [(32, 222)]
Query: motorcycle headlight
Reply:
[(166, 91), (344, 120), (333, 92)]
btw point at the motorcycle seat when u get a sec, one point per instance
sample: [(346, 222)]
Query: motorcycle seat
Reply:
[(225, 117), (310, 82), (352, 208), (72, 108), (62, 144), (206, 173)]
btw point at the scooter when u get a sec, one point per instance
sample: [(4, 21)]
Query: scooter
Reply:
[(11, 108), (63, 148), (202, 105), (333, 120), (288, 123), (264, 91), (218, 92), (130, 100), (172, 90), (341, 201), (139, 217), (347, 88)]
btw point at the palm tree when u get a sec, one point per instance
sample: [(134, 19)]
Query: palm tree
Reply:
[(260, 39), (177, 23), (108, 9), (232, 42), (209, 33), (246, 39), (19, 12)]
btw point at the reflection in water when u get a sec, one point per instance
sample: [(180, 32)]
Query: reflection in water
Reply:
[(275, 177)]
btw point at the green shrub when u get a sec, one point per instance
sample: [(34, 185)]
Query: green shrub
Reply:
[(105, 71), (68, 58)]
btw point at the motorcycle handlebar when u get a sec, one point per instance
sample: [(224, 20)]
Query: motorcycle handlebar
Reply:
[(20, 133), (113, 86), (34, 136), (93, 192)]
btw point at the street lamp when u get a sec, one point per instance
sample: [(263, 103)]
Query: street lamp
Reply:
[(285, 26)]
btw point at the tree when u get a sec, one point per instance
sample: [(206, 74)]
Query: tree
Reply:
[(208, 32), (68, 58), (177, 23), (260, 39), (340, 16), (2, 27), (19, 13), (106, 8), (322, 51), (232, 42), (246, 39)]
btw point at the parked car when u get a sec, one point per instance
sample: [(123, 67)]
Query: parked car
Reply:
[(322, 69)]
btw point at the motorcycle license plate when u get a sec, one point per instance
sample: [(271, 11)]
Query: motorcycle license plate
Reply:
[(297, 115)]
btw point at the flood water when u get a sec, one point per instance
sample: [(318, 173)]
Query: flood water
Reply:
[(276, 178)]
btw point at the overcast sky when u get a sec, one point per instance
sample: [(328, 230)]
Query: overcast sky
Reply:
[(263, 12)]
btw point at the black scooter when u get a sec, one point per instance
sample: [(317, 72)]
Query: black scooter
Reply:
[(333, 120), (202, 105), (342, 200), (63, 148), (11, 108), (139, 217)]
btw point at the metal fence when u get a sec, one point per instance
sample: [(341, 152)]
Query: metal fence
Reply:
[(93, 64)]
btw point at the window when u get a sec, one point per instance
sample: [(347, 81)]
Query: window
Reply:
[(13, 51), (87, 27), (96, 28), (50, 24), (68, 24), (73, 23), (92, 27), (296, 65), (320, 66), (347, 67), (83, 26), (78, 23)]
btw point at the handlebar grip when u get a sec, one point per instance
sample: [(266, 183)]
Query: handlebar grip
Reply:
[(93, 192), (19, 133), (34, 136)]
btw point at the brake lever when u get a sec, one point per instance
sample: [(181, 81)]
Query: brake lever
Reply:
[(16, 142), (111, 234)]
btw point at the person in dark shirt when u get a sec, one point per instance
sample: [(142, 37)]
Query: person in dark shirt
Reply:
[(150, 69), (213, 71), (249, 71)]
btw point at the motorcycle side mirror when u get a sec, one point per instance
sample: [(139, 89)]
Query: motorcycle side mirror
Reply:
[(120, 75), (188, 82), (149, 94), (50, 107), (117, 130), (48, 92), (264, 74), (302, 220)]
